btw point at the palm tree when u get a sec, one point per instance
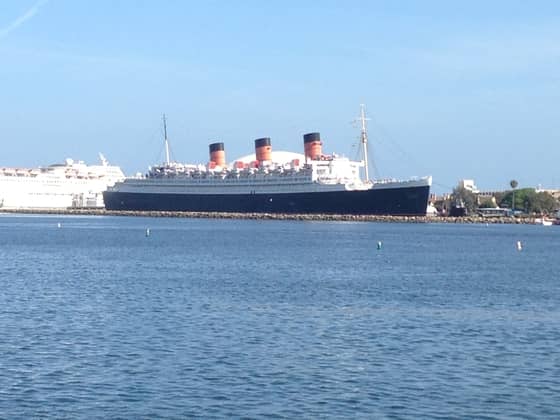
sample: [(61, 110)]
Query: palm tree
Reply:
[(513, 184)]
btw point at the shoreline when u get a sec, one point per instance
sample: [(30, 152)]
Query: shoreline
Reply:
[(274, 216)]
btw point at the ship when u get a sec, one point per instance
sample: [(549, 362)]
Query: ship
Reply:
[(271, 182), (71, 184)]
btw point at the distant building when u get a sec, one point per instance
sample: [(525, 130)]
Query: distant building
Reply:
[(487, 198), (468, 184), (554, 193)]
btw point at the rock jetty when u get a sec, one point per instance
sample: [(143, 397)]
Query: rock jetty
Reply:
[(283, 216)]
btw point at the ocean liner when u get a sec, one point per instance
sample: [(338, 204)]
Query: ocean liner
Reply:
[(271, 182), (70, 184)]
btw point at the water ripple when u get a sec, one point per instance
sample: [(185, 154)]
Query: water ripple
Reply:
[(254, 319)]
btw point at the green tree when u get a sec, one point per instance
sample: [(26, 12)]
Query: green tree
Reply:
[(522, 198), (530, 201), (499, 197), (461, 195), (544, 203), (513, 184)]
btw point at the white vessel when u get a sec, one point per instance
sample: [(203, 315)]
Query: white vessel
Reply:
[(543, 221), (71, 184)]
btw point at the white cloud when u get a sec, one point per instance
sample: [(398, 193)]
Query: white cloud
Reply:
[(32, 11)]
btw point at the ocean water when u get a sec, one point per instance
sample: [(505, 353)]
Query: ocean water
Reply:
[(282, 319)]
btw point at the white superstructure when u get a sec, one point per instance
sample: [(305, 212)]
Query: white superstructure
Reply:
[(247, 175), (66, 185)]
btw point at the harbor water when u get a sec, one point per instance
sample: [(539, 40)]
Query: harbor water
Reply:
[(137, 317)]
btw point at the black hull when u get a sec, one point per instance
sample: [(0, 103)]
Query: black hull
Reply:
[(411, 201)]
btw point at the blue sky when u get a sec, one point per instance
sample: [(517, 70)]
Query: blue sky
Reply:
[(455, 89)]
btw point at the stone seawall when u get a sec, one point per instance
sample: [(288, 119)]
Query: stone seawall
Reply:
[(272, 216)]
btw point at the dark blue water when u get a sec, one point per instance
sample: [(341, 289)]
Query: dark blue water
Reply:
[(237, 318)]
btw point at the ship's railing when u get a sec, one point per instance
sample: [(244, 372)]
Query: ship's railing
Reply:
[(386, 180), (411, 180), (217, 177), (177, 170), (223, 181)]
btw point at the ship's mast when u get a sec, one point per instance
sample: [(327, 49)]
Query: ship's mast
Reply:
[(363, 120), (166, 141)]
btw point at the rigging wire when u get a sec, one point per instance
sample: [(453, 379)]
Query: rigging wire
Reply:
[(358, 157), (158, 134), (381, 137)]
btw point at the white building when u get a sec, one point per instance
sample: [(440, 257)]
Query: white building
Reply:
[(468, 184)]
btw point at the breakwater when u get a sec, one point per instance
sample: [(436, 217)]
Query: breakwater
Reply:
[(283, 216)]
